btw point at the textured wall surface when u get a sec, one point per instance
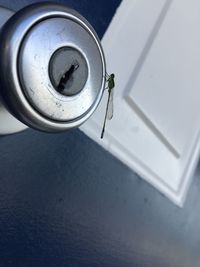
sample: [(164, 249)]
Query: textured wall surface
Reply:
[(64, 201)]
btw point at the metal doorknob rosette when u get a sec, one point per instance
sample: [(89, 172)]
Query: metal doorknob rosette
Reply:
[(52, 68)]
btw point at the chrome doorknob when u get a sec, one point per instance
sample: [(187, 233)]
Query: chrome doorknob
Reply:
[(52, 67)]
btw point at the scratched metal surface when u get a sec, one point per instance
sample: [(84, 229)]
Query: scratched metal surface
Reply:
[(64, 201)]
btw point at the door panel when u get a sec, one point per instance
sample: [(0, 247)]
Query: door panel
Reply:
[(165, 88), (152, 47)]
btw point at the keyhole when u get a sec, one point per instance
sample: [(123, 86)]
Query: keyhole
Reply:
[(66, 77), (68, 71)]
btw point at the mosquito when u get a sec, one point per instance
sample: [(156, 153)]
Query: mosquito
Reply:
[(110, 80)]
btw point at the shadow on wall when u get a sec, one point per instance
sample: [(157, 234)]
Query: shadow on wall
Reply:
[(63, 200)]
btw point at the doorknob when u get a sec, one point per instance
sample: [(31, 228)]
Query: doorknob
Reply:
[(52, 69)]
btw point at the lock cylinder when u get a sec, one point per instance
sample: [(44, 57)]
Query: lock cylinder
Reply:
[(52, 67)]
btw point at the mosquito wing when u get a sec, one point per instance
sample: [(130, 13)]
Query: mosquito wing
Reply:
[(110, 106)]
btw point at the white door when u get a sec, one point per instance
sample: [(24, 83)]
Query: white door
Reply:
[(153, 47)]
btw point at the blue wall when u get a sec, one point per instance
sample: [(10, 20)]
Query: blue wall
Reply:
[(64, 201)]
